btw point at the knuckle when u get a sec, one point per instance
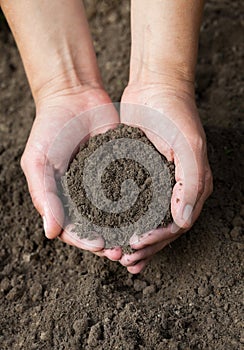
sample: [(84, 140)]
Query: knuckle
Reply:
[(198, 142), (186, 227), (205, 185), (23, 162), (182, 225), (209, 182), (201, 186), (31, 156), (35, 198)]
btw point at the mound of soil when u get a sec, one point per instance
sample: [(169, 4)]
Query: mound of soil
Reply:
[(117, 227)]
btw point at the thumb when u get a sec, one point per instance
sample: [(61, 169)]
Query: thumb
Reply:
[(189, 184), (43, 190)]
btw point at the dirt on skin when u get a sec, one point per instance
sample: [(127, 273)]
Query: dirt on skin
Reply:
[(121, 154), (54, 296)]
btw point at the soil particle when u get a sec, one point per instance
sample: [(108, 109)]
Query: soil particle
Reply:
[(80, 326), (13, 294), (149, 290), (204, 290), (94, 335), (36, 291), (44, 336), (139, 285), (5, 284), (237, 233)]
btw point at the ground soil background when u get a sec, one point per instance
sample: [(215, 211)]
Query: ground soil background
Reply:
[(56, 297)]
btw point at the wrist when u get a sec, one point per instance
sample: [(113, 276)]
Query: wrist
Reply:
[(172, 78), (55, 44), (165, 41), (152, 66), (66, 81)]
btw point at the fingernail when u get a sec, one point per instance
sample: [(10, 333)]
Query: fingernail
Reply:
[(135, 262), (140, 238), (137, 239), (174, 228), (134, 240), (89, 243), (187, 212), (44, 224)]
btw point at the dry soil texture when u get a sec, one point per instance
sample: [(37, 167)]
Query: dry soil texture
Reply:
[(56, 297), (124, 153)]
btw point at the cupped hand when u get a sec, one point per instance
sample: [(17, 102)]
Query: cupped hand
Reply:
[(169, 117), (50, 147)]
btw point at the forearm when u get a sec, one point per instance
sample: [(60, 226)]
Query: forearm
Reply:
[(54, 42), (164, 39)]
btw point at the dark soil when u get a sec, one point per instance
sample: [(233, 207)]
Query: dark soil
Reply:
[(54, 296), (117, 227)]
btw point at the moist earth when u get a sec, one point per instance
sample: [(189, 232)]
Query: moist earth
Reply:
[(137, 165), (53, 296)]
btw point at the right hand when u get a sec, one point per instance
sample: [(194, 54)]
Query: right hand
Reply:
[(168, 115)]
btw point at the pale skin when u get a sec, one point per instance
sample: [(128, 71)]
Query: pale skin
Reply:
[(61, 67)]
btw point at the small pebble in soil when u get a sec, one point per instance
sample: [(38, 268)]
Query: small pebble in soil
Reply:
[(94, 335), (44, 336), (139, 285), (204, 290), (36, 291), (5, 284), (236, 233), (149, 290), (80, 326)]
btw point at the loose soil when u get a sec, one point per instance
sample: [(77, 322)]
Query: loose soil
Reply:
[(54, 296), (117, 227)]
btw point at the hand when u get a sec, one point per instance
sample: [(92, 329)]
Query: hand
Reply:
[(169, 117), (64, 78), (43, 162)]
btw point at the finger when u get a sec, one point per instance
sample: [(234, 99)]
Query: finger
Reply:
[(138, 267), (144, 253), (113, 254), (152, 237), (189, 187), (43, 191), (100, 253), (206, 193), (203, 193), (70, 237), (175, 229), (195, 214)]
